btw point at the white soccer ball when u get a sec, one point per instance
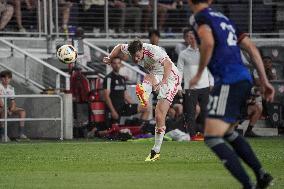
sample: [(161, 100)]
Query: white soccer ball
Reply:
[(67, 54)]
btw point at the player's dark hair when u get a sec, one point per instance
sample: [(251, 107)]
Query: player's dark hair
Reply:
[(154, 32), (199, 1), (135, 46), (6, 73), (266, 57), (186, 30), (79, 32)]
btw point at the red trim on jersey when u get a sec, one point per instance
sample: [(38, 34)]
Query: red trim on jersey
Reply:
[(171, 93), (162, 60), (148, 53), (242, 36)]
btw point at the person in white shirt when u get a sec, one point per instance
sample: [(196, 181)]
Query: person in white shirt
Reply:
[(7, 89), (188, 62), (183, 45), (163, 77)]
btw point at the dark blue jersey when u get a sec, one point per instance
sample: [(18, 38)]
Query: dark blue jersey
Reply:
[(226, 64)]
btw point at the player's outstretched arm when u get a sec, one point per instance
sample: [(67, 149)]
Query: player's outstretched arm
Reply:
[(253, 52), (116, 51), (206, 49)]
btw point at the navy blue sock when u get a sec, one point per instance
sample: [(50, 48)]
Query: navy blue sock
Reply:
[(243, 149), (229, 159)]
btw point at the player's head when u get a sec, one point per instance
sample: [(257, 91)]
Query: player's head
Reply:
[(188, 36), (6, 77), (194, 3), (79, 32), (267, 61), (116, 64), (154, 37), (200, 1), (135, 49)]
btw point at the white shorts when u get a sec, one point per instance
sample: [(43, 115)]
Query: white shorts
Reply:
[(170, 89)]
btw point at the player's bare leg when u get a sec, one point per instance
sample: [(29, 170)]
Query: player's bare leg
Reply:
[(161, 110)]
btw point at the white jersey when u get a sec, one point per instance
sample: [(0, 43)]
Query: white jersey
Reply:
[(153, 58), (9, 90)]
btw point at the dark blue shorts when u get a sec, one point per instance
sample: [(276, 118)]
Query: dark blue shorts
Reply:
[(227, 101)]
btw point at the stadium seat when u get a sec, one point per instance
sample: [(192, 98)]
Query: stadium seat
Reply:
[(239, 13), (274, 111), (275, 52)]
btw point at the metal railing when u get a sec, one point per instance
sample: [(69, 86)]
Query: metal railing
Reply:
[(26, 73), (104, 20), (6, 119)]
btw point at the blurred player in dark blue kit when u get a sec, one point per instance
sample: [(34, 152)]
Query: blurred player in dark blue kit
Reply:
[(219, 43)]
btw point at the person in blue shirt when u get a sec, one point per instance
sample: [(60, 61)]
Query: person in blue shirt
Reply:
[(219, 43)]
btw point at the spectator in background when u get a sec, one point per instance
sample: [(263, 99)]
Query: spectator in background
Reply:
[(6, 13), (269, 70), (163, 7), (123, 15), (131, 17), (118, 101), (256, 104), (154, 37), (30, 5), (95, 11), (183, 45), (143, 5), (65, 7), (188, 62), (84, 52), (254, 110), (7, 89)]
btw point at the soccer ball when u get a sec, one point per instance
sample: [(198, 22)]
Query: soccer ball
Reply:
[(67, 54)]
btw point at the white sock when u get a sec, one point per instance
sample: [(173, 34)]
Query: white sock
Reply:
[(159, 140), (147, 87)]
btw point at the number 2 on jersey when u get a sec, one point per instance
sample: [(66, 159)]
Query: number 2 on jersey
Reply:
[(232, 38)]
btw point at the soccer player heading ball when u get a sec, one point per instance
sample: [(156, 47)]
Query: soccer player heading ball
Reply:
[(220, 42), (163, 77)]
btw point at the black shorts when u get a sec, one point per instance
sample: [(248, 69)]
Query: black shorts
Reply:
[(127, 110), (124, 110), (227, 101)]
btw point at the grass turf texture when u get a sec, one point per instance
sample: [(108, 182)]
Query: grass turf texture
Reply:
[(90, 164)]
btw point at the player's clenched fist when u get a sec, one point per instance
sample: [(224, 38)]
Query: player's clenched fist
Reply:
[(106, 60)]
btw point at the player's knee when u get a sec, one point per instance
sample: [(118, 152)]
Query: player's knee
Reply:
[(232, 136), (160, 130), (212, 141)]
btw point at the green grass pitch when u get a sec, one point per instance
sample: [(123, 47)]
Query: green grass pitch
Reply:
[(108, 165)]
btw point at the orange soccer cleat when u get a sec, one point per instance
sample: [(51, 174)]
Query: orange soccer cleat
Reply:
[(198, 137), (142, 95)]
